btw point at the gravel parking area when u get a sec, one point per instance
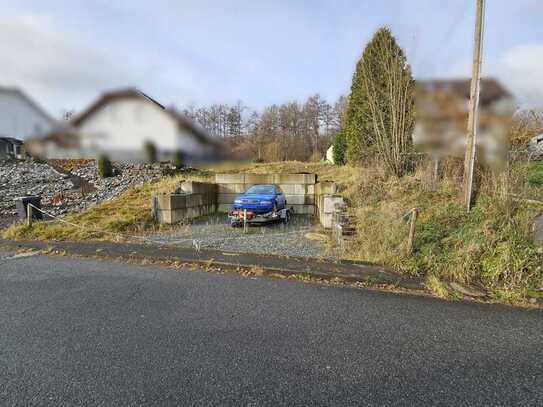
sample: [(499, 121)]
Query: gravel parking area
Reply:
[(300, 237)]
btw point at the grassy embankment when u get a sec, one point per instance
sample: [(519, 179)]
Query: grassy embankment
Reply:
[(128, 214), (490, 247)]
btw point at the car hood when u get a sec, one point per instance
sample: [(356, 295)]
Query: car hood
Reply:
[(262, 197)]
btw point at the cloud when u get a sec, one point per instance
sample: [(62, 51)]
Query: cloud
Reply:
[(59, 66), (520, 68), (65, 70), (209, 51)]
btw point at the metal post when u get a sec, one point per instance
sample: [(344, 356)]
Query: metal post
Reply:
[(471, 141), (29, 214), (245, 221), (411, 238)]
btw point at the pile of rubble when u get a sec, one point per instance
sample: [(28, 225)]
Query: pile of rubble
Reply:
[(21, 178), (125, 176), (63, 191), (535, 147)]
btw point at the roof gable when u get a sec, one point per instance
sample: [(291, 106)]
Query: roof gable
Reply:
[(129, 93), (491, 89), (19, 93)]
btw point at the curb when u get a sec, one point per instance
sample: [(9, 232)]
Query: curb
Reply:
[(345, 271)]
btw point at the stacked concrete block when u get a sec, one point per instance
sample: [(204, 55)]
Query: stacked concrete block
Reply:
[(330, 205), (325, 188), (194, 200), (299, 189), (327, 201)]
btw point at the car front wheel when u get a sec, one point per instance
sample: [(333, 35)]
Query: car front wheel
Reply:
[(286, 219)]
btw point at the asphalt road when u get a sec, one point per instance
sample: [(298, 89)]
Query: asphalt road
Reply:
[(84, 332)]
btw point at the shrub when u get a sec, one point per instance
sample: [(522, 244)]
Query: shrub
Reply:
[(178, 159), (340, 147), (105, 168), (150, 152)]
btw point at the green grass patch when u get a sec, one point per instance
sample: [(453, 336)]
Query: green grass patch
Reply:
[(535, 174)]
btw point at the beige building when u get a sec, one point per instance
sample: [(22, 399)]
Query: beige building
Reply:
[(442, 115)]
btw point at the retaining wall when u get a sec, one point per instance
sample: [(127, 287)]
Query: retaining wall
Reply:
[(299, 189), (194, 199), (303, 193), (326, 202)]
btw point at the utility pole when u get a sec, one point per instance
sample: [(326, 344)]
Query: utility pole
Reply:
[(471, 141)]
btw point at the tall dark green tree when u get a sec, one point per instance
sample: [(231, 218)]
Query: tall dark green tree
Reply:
[(380, 113), (340, 145)]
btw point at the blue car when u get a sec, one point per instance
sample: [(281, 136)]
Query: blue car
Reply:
[(261, 199)]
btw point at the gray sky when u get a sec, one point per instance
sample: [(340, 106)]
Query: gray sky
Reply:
[(65, 53)]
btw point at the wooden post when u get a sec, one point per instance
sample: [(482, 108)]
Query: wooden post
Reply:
[(471, 140), (154, 208), (29, 214), (412, 224)]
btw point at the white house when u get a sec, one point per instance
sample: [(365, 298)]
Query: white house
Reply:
[(20, 117), (330, 154), (120, 123)]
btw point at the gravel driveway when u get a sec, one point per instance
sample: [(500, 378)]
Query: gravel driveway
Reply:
[(274, 238)]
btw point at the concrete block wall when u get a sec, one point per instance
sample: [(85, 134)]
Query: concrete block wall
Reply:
[(326, 199), (194, 200), (299, 189), (328, 206)]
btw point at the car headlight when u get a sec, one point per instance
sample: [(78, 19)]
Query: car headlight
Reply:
[(265, 202), (237, 201)]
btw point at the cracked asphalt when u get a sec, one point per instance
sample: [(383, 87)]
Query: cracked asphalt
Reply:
[(85, 332)]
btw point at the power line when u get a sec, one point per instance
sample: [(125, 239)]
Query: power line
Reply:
[(447, 36)]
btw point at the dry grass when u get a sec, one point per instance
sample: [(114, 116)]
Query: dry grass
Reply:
[(127, 215), (437, 287), (491, 246)]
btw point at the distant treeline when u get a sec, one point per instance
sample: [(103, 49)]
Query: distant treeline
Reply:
[(291, 131)]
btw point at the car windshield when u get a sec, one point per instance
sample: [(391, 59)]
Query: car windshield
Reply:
[(261, 189)]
